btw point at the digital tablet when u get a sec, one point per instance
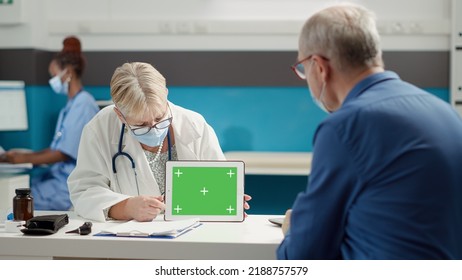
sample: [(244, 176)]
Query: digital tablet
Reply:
[(208, 190)]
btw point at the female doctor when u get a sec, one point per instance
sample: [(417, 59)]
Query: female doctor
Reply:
[(120, 172)]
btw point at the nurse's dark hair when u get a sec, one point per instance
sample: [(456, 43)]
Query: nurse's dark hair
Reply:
[(71, 55)]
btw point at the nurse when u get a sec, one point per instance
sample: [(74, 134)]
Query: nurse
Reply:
[(50, 189), (120, 172)]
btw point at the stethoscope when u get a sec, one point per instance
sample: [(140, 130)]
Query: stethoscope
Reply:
[(129, 157)]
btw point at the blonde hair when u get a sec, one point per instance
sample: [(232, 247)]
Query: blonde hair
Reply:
[(346, 34), (138, 88)]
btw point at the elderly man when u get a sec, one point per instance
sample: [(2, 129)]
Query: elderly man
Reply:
[(386, 180)]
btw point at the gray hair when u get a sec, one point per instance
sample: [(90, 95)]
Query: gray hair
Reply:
[(346, 34), (138, 88)]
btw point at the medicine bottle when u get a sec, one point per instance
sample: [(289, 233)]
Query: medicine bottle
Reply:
[(23, 205)]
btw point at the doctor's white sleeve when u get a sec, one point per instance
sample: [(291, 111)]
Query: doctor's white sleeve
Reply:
[(89, 183)]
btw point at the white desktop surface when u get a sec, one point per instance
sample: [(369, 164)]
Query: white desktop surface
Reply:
[(255, 238)]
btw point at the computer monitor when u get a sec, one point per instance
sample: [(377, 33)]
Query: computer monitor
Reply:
[(13, 108)]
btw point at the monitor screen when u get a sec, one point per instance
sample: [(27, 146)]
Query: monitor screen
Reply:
[(13, 108)]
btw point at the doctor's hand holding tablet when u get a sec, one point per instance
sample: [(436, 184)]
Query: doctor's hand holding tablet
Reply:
[(121, 164)]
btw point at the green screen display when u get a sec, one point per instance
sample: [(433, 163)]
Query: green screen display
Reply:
[(204, 190)]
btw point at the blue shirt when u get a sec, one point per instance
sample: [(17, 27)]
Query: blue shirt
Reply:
[(386, 179)]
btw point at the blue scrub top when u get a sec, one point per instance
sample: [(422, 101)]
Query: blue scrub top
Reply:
[(50, 190), (72, 118)]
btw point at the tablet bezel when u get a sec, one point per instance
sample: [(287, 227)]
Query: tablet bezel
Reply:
[(239, 217)]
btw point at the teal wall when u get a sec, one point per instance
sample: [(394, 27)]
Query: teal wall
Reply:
[(244, 118), (255, 119)]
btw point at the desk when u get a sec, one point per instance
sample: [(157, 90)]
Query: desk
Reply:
[(274, 163), (255, 238)]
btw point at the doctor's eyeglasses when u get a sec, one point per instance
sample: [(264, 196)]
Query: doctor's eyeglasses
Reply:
[(141, 130)]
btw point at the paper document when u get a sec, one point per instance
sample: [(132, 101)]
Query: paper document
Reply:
[(152, 229), (6, 167)]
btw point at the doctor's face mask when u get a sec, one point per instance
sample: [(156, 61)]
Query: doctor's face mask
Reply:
[(151, 136)]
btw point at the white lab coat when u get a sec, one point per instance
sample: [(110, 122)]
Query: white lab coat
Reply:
[(93, 186)]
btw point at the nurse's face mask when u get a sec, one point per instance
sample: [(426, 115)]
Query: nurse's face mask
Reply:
[(151, 136), (58, 86)]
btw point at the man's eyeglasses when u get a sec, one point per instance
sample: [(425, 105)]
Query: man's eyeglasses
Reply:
[(299, 69), (141, 130)]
